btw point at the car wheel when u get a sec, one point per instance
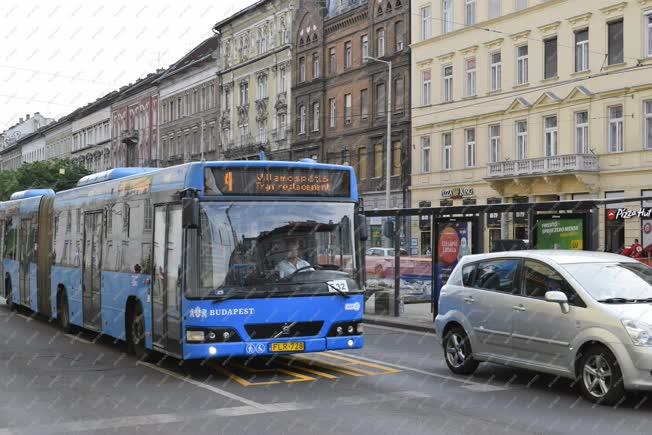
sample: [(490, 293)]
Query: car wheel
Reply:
[(600, 378), (379, 272), (457, 352)]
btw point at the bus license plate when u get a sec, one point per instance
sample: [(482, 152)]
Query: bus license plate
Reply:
[(292, 346)]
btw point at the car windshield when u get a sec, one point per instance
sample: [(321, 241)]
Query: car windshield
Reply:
[(259, 247), (628, 282)]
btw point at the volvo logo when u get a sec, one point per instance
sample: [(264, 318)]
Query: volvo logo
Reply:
[(285, 330)]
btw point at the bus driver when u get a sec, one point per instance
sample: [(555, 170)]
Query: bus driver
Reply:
[(292, 263)]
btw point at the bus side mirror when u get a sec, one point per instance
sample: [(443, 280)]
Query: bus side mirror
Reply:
[(364, 230), (190, 214)]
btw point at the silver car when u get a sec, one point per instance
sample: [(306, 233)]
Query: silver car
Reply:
[(582, 315)]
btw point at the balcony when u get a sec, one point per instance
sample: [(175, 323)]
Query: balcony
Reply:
[(540, 166), (129, 136)]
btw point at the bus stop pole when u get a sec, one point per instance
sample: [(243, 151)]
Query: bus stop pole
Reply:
[(397, 265)]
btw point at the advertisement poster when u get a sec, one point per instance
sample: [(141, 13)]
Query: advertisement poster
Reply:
[(453, 242), (560, 234), (646, 229)]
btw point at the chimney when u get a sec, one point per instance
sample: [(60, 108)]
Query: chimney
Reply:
[(26, 117)]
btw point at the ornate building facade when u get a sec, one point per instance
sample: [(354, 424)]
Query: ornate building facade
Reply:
[(255, 77)]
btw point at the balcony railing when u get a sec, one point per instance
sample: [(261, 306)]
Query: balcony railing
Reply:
[(543, 166)]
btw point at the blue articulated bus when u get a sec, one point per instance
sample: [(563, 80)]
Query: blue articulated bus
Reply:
[(202, 260)]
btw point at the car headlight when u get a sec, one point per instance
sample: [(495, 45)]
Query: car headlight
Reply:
[(639, 332)]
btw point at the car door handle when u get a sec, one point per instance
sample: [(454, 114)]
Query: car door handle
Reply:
[(518, 308), (469, 299)]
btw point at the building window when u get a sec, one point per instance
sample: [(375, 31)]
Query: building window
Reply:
[(282, 78), (469, 9), (521, 4), (332, 62), (262, 131), (469, 155), (496, 70), (582, 132), (426, 88), (550, 58), (399, 36), (648, 125), (315, 65), (447, 151), (648, 34), (302, 69), (425, 154), (362, 162), (494, 8), (522, 65), (380, 42), (494, 143), (347, 109), (262, 87), (425, 23), (470, 77), (398, 94), (396, 158), (380, 99), (364, 104), (521, 140), (302, 119), (315, 116), (347, 54), (550, 135), (582, 50), (448, 83), (615, 42), (227, 99), (282, 127), (447, 14), (244, 93), (378, 160), (615, 129), (365, 47), (332, 113)]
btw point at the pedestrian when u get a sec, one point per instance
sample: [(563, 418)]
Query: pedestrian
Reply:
[(636, 250)]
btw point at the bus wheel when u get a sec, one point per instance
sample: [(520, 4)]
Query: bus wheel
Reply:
[(63, 313), (136, 336)]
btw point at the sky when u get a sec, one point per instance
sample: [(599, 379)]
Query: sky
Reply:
[(58, 55)]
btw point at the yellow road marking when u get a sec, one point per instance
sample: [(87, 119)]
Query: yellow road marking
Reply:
[(360, 362), (351, 371), (302, 367), (299, 377), (238, 379)]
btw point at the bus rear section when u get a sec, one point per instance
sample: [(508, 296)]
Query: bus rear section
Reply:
[(272, 277)]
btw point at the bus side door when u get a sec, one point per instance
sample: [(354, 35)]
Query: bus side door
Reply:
[(92, 270), (166, 282)]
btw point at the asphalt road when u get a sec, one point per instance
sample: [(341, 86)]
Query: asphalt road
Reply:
[(56, 383)]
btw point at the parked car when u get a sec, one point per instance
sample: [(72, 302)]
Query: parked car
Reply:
[(509, 245), (582, 315), (379, 263)]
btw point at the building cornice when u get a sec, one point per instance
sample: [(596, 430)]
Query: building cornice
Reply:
[(549, 28), (424, 62), (645, 3), (469, 50), (495, 43), (446, 57), (580, 20), (615, 9), (520, 36)]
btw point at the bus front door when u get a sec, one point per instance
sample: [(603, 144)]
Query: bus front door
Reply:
[(166, 283), (26, 248), (92, 270), (3, 290)]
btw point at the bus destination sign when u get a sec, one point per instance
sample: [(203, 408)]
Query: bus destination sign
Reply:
[(277, 181)]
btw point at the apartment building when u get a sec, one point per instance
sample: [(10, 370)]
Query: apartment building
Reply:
[(523, 100)]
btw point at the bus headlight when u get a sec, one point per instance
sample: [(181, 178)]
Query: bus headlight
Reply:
[(195, 336), (345, 329)]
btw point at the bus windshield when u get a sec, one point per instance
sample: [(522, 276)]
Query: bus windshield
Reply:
[(249, 248)]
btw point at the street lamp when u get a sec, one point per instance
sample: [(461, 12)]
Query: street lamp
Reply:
[(388, 151), (201, 145)]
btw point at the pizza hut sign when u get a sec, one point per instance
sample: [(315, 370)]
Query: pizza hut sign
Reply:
[(457, 192), (623, 213)]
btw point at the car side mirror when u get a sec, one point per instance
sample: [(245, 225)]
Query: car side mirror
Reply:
[(559, 298)]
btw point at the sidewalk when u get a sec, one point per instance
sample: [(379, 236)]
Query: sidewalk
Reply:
[(415, 317)]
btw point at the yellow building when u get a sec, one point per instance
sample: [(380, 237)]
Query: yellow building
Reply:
[(517, 100)]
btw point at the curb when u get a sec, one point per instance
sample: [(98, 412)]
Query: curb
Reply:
[(400, 325)]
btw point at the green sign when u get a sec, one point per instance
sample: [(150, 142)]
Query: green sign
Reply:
[(560, 234)]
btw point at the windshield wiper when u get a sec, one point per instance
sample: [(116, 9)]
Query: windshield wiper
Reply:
[(617, 301), (341, 293)]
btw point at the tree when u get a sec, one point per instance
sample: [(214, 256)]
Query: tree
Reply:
[(54, 174)]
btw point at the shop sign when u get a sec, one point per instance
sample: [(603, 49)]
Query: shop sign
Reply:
[(457, 192), (623, 213)]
